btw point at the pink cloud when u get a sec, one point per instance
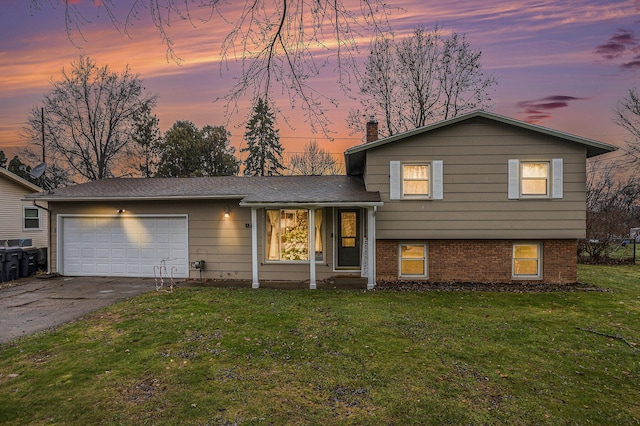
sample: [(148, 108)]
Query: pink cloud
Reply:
[(540, 109)]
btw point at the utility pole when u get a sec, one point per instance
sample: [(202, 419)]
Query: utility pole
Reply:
[(42, 122)]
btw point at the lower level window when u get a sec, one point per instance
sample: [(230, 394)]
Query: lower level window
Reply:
[(413, 260), (287, 236), (527, 261)]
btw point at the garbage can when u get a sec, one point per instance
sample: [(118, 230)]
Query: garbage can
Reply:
[(12, 256), (42, 259), (2, 264), (28, 262)]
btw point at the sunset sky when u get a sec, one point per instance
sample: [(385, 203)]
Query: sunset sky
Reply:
[(563, 64)]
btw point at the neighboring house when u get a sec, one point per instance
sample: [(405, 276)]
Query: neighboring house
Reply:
[(19, 219), (480, 197)]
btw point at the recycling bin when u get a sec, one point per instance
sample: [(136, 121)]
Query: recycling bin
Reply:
[(28, 262), (12, 257)]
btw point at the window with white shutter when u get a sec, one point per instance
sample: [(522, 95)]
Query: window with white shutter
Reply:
[(535, 179), (416, 180)]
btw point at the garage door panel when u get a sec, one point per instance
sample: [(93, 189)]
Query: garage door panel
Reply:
[(124, 246)]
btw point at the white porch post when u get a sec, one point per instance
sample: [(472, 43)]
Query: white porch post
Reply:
[(255, 283), (371, 249), (312, 249)]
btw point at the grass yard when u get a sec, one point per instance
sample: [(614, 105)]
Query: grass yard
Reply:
[(242, 356)]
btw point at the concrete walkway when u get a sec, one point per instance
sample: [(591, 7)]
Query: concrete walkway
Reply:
[(38, 304)]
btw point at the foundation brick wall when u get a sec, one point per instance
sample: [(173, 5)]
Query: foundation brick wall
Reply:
[(480, 260)]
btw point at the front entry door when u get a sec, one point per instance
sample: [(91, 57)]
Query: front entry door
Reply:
[(348, 239)]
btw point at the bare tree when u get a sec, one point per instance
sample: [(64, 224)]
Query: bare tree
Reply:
[(314, 161), (89, 119), (627, 115), (613, 207), (277, 43), (425, 77)]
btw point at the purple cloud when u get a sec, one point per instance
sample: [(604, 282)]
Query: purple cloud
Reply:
[(540, 109), (618, 44), (632, 65)]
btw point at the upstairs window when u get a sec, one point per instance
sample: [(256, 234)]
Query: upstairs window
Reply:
[(31, 218), (421, 181), (415, 180), (535, 179)]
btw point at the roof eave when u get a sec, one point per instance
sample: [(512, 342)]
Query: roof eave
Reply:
[(18, 180), (599, 147), (262, 204), (133, 197)]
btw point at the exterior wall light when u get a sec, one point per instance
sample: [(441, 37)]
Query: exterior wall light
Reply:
[(226, 212), (120, 211)]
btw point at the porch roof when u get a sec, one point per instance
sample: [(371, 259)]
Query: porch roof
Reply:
[(251, 190)]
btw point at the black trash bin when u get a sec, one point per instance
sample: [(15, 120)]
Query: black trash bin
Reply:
[(12, 256), (28, 262), (42, 259), (2, 264)]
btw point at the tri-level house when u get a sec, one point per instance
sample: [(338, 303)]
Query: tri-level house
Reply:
[(480, 197)]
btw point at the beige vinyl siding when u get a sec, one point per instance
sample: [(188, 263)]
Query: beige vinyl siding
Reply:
[(11, 214), (476, 205), (223, 243)]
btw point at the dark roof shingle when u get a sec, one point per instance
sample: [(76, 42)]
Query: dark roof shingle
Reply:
[(251, 189)]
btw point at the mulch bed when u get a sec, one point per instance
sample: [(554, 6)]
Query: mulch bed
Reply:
[(421, 286)]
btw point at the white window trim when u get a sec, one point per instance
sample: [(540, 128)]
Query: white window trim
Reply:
[(554, 179), (538, 275), (295, 262), (396, 180), (24, 218), (426, 259)]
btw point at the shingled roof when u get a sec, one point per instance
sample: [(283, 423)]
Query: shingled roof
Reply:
[(251, 190)]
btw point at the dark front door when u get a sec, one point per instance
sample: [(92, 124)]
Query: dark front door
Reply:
[(348, 240)]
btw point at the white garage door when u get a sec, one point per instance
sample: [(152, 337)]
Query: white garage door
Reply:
[(124, 246)]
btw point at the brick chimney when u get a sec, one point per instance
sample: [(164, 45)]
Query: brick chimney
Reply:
[(372, 130)]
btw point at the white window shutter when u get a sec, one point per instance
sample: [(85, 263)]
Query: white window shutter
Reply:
[(395, 180), (438, 190), (556, 178), (514, 179)]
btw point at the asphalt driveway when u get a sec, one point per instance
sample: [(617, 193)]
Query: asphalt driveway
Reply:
[(38, 304)]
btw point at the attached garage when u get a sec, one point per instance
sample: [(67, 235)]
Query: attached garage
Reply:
[(128, 246)]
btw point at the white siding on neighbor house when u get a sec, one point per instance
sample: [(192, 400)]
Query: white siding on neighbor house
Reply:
[(11, 215), (475, 185)]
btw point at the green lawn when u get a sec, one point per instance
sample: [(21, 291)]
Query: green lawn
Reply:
[(227, 356)]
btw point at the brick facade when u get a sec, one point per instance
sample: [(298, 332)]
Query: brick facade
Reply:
[(480, 260)]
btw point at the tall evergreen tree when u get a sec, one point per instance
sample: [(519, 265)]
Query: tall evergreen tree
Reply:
[(3, 159), (263, 143), (146, 136)]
